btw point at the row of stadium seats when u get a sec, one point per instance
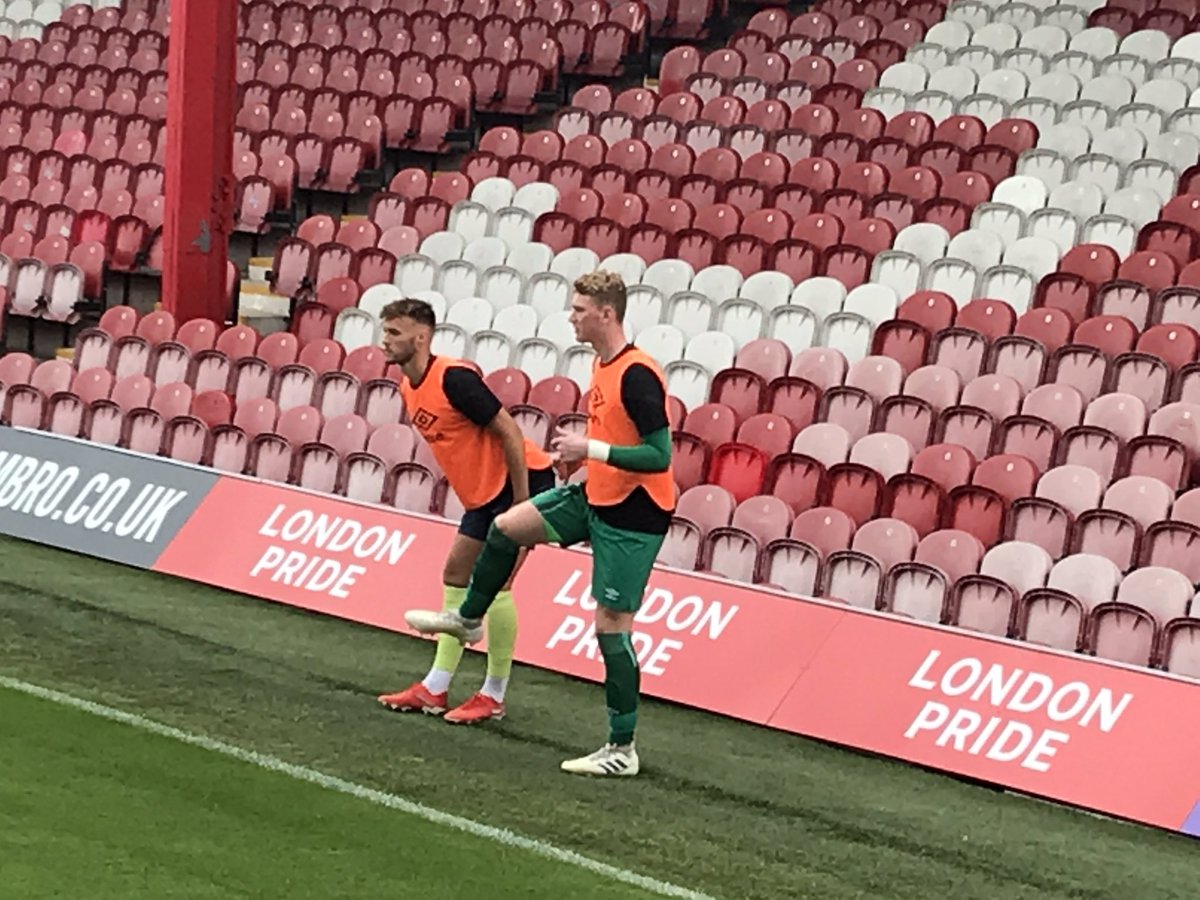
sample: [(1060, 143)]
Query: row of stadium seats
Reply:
[(571, 45)]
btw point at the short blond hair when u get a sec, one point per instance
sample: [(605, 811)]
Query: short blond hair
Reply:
[(605, 289)]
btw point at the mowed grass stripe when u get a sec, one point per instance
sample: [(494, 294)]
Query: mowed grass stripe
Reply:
[(138, 799)]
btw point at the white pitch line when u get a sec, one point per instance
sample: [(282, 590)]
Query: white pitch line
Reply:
[(380, 798)]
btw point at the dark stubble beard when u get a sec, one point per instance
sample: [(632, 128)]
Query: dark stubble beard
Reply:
[(397, 360)]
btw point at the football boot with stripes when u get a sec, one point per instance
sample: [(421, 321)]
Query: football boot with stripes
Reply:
[(610, 759)]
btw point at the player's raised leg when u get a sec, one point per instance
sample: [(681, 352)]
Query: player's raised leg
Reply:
[(521, 527)]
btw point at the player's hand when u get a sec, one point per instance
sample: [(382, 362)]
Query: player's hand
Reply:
[(564, 470), (570, 446), (561, 468)]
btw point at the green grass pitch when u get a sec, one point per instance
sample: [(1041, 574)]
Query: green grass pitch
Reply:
[(90, 807)]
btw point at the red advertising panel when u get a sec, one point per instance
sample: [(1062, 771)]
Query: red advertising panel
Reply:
[(359, 562), (1118, 740), (372, 565), (1096, 735)]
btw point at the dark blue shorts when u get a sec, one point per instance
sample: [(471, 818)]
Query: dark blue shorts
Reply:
[(476, 522)]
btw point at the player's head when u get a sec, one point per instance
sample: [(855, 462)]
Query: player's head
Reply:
[(407, 329), (598, 307)]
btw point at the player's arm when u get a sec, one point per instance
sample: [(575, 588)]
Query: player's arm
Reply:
[(470, 396), (646, 403), (512, 439)]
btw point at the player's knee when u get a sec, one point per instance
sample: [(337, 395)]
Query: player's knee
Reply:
[(504, 521), (510, 524), (499, 537), (611, 621)]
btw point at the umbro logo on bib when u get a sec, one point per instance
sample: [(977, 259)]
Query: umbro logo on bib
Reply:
[(423, 419)]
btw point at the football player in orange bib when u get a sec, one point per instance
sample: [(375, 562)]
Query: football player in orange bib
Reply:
[(490, 465)]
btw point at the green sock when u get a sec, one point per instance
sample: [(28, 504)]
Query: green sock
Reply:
[(449, 649), (622, 678), (501, 635), (492, 571)]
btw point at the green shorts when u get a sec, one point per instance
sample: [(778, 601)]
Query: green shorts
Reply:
[(621, 560)]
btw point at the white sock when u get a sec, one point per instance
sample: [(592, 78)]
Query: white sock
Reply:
[(438, 681), (494, 688)]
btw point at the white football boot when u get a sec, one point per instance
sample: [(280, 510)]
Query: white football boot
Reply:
[(610, 759), (469, 631)]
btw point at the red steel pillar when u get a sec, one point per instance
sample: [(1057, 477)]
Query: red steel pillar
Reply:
[(198, 218)]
